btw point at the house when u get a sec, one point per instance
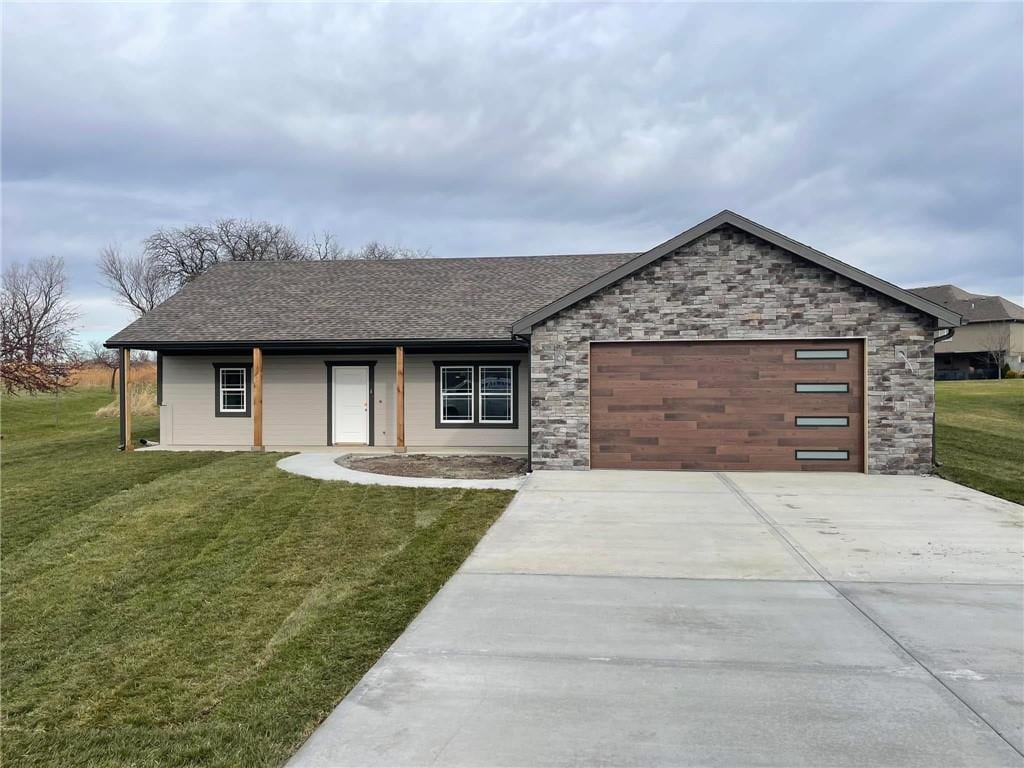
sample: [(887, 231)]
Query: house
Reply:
[(993, 334), (729, 346)]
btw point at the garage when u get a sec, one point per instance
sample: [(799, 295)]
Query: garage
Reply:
[(795, 404)]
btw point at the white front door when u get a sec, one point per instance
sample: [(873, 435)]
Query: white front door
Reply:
[(351, 400)]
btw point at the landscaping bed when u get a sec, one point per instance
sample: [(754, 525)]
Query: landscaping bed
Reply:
[(468, 467)]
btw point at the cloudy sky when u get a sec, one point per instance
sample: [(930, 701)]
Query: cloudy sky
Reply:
[(889, 136)]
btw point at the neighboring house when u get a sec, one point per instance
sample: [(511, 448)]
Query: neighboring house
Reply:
[(729, 346), (993, 334)]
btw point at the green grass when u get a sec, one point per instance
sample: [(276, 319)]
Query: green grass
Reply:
[(980, 434), (199, 609)]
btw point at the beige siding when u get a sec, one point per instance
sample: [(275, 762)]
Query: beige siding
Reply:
[(983, 337), (295, 403), (189, 392), (294, 400)]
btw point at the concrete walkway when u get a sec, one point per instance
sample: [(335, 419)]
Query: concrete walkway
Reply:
[(323, 466), (628, 618)]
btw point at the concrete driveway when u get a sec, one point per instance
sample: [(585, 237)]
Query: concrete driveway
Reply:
[(633, 618)]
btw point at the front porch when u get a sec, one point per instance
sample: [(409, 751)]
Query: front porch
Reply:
[(450, 399), (342, 450)]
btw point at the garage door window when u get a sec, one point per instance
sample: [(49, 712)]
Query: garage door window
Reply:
[(822, 354), (822, 387), (823, 421), (822, 455)]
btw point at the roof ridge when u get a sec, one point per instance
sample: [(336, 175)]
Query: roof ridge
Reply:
[(600, 254)]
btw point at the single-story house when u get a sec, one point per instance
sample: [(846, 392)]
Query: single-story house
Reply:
[(729, 346), (992, 334)]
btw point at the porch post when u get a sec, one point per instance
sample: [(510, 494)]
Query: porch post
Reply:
[(257, 399), (125, 399), (399, 399)]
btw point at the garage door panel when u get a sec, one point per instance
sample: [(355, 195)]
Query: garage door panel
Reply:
[(724, 405)]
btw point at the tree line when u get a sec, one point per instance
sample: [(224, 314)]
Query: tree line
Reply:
[(38, 351)]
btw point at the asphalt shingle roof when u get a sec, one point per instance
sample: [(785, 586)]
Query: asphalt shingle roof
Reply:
[(975, 307), (473, 299)]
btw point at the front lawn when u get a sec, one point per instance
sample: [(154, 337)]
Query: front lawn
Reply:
[(201, 609), (980, 435)]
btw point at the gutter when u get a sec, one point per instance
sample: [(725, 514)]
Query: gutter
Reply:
[(945, 336)]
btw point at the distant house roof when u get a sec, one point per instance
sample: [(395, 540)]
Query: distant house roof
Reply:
[(974, 307), (325, 301)]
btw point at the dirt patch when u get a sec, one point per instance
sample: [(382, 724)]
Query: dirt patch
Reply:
[(423, 465)]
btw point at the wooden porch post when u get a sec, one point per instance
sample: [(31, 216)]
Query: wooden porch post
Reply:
[(125, 397), (399, 399), (257, 399)]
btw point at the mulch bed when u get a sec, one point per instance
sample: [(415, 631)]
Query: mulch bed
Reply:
[(423, 465)]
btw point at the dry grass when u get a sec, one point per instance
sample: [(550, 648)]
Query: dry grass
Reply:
[(141, 399), (100, 376)]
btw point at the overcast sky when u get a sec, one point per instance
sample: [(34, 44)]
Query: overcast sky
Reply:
[(889, 136)]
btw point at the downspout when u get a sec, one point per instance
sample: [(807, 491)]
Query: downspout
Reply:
[(121, 399), (941, 337), (529, 399)]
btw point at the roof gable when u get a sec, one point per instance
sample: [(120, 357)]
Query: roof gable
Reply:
[(945, 316)]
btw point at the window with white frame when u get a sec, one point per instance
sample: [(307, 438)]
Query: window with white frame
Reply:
[(496, 394), (456, 394), (232, 391)]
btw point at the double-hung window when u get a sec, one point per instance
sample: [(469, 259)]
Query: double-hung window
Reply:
[(232, 389), (496, 394), (477, 394), (456, 394)]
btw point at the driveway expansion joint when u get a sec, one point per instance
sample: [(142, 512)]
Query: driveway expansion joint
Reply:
[(820, 571)]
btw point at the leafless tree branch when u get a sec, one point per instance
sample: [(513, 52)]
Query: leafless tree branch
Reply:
[(138, 282), (37, 352)]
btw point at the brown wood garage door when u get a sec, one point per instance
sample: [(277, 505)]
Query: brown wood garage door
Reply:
[(727, 405)]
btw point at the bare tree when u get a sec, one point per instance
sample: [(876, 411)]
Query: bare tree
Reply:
[(377, 251), (245, 240), (325, 247), (102, 357), (37, 352), (182, 254), (997, 345), (138, 282), (172, 257)]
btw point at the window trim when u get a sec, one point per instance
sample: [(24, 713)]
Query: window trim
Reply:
[(510, 395), (476, 365), (217, 411), (471, 394)]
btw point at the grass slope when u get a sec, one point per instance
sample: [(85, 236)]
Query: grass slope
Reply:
[(196, 608), (980, 433)]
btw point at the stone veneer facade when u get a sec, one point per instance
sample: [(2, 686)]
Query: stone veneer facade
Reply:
[(731, 285)]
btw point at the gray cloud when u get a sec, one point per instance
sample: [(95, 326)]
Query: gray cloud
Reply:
[(886, 135)]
